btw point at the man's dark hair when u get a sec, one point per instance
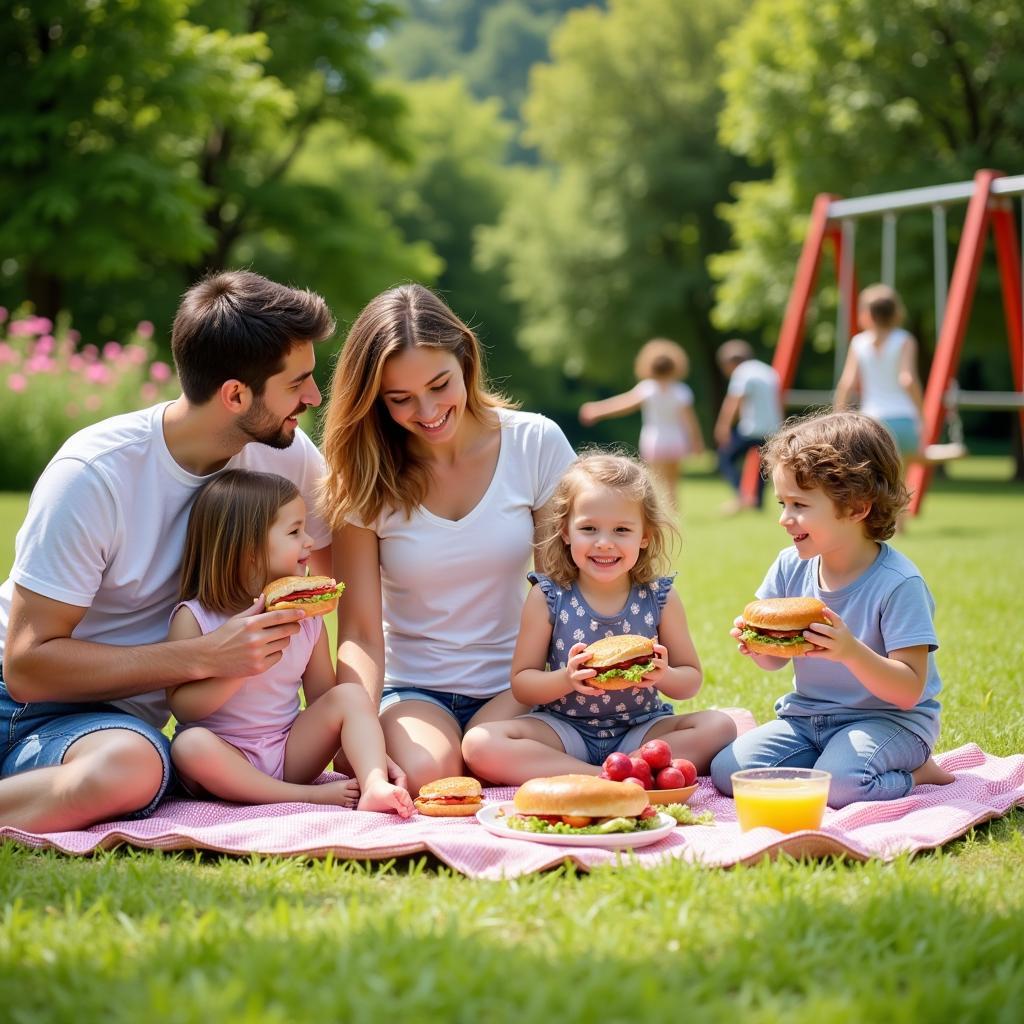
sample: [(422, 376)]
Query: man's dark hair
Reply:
[(240, 326)]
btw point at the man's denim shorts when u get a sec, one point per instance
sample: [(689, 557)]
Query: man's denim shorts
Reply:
[(38, 735), (462, 709)]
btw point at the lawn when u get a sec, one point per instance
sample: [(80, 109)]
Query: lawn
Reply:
[(130, 936)]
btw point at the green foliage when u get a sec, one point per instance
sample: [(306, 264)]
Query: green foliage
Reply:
[(493, 44), (144, 143), (130, 936), (50, 389), (865, 96), (609, 246)]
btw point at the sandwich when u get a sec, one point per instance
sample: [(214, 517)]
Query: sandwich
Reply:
[(455, 797), (776, 625), (620, 661), (315, 595), (581, 805)]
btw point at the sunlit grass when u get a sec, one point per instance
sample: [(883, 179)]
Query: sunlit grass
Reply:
[(130, 936)]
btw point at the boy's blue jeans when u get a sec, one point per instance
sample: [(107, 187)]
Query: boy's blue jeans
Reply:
[(869, 758)]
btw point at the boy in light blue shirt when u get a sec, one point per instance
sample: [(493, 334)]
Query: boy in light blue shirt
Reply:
[(864, 704)]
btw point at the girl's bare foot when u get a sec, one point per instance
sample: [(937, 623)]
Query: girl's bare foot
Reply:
[(382, 796), (344, 793), (930, 774)]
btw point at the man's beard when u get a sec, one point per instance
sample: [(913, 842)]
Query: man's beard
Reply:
[(258, 425)]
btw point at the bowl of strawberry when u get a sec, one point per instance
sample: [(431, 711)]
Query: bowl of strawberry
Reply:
[(667, 779)]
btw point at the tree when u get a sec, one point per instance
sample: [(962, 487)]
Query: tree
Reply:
[(866, 96), (100, 99), (492, 44), (454, 182), (146, 143), (607, 246)]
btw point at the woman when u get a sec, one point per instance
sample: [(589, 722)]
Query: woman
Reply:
[(434, 486)]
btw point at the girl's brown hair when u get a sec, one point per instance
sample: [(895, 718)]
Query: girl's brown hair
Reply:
[(882, 304), (369, 464), (661, 359), (634, 481), (226, 539), (851, 457)]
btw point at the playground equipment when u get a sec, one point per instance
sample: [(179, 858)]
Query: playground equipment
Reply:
[(834, 220)]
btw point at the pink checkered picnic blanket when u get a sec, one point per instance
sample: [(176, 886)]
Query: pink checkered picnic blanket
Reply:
[(986, 787)]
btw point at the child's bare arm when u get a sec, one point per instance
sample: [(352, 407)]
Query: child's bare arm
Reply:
[(319, 676), (898, 678), (531, 682), (692, 427), (193, 701), (677, 672), (617, 405)]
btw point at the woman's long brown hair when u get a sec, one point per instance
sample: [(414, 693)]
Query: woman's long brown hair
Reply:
[(369, 465)]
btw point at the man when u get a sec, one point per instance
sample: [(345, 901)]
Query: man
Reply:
[(84, 614), (753, 398)]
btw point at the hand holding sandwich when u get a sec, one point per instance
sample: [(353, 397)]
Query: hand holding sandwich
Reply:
[(772, 631)]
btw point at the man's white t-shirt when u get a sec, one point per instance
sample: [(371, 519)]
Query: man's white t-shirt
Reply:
[(453, 590), (757, 386), (105, 530)]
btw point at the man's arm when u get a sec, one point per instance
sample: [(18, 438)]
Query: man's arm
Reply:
[(42, 661)]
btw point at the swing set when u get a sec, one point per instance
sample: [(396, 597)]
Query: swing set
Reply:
[(834, 220)]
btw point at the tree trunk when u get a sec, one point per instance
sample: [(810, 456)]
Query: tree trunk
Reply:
[(44, 290)]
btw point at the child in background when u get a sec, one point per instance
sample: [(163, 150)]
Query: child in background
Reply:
[(750, 411), (864, 703), (245, 739), (881, 364), (603, 542), (670, 430)]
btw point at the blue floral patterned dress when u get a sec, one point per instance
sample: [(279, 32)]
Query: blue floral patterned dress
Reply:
[(574, 621)]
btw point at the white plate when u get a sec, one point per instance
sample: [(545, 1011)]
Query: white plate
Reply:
[(488, 817)]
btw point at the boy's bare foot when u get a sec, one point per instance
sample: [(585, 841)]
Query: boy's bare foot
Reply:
[(930, 774), (344, 793), (383, 796)]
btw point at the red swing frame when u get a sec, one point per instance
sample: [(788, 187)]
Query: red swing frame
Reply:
[(983, 209)]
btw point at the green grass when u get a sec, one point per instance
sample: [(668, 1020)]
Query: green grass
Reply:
[(130, 936)]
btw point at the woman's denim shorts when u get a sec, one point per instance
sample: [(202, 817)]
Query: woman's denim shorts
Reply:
[(461, 708)]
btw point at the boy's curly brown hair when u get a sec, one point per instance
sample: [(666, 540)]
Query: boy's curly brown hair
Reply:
[(851, 457)]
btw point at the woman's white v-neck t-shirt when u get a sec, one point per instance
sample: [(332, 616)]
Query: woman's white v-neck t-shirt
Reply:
[(453, 590)]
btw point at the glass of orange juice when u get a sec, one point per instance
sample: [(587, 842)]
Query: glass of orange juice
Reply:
[(786, 799)]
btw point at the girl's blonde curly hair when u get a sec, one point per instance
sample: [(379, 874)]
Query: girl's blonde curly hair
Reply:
[(633, 480)]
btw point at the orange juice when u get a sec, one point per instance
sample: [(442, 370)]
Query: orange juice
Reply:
[(786, 799)]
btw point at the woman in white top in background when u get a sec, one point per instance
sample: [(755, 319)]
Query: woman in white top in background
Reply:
[(881, 365), (433, 488), (669, 430)]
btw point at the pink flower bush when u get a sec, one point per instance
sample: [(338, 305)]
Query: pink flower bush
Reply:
[(52, 387)]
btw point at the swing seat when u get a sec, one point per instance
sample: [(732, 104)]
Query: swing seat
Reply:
[(949, 452)]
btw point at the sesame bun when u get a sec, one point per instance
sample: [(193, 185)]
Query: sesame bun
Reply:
[(457, 796), (765, 621), (613, 651), (580, 795), (276, 594)]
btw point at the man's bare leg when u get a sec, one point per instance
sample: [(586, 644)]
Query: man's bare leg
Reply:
[(105, 775)]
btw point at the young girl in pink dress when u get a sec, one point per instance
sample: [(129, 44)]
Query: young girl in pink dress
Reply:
[(246, 739), (670, 431)]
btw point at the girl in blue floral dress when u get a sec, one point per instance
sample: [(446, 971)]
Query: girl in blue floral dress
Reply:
[(603, 543)]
